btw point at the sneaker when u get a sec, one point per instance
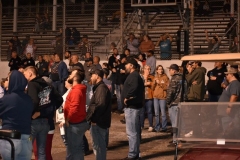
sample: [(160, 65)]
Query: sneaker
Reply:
[(189, 134), (150, 129)]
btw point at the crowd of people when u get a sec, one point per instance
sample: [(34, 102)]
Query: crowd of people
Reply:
[(81, 94)]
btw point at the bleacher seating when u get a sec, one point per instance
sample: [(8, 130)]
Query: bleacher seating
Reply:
[(167, 20)]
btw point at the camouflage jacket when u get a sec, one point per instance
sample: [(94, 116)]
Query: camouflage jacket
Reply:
[(174, 90)]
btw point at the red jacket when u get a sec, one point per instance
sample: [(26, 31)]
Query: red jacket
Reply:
[(75, 105)]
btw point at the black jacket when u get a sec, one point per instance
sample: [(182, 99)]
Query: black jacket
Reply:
[(42, 68), (214, 86), (14, 63), (133, 90), (28, 62), (33, 89), (99, 110)]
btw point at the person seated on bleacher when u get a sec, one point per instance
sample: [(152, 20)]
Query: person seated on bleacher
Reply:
[(198, 7), (14, 44), (30, 48), (226, 6), (132, 43), (231, 29), (38, 22), (85, 46), (28, 61), (117, 15), (213, 44), (146, 44), (46, 22), (74, 37), (206, 8), (16, 112)]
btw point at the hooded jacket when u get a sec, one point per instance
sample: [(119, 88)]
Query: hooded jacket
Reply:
[(75, 104), (196, 92), (16, 106), (33, 89)]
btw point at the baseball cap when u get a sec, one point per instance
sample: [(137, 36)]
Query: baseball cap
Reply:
[(132, 61), (98, 72), (174, 67), (231, 71)]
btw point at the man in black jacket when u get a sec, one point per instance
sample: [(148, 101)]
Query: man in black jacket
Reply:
[(28, 61), (44, 105), (42, 67), (132, 97), (14, 62), (99, 114)]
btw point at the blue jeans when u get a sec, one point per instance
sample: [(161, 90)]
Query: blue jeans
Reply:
[(74, 138), (173, 111), (148, 108), (39, 130), (118, 95), (60, 87), (99, 141), (23, 148), (132, 117), (160, 104), (213, 98)]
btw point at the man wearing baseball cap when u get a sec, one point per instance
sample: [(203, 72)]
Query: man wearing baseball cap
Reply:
[(174, 93), (99, 113), (132, 98), (230, 94)]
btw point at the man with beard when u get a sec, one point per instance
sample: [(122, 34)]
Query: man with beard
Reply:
[(67, 59), (99, 114), (75, 115), (132, 94)]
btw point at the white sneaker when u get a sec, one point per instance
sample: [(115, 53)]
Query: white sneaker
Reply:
[(150, 129), (189, 134)]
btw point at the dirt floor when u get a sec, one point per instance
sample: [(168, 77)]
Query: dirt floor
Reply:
[(154, 146)]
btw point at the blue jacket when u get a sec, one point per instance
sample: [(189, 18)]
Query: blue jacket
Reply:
[(62, 71), (16, 106)]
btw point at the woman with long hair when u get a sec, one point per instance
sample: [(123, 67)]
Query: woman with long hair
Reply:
[(148, 83), (161, 82)]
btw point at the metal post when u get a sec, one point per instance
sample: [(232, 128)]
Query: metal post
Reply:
[(121, 23), (232, 8), (192, 27), (0, 29), (238, 24), (96, 6), (64, 26), (15, 14), (54, 19)]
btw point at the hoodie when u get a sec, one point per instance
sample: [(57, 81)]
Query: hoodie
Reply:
[(75, 104), (34, 87), (16, 106)]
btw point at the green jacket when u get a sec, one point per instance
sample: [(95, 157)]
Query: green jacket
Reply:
[(196, 92)]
